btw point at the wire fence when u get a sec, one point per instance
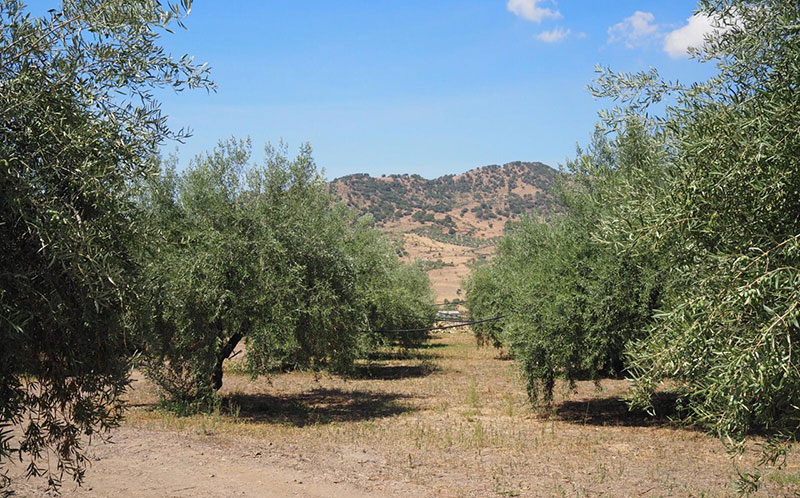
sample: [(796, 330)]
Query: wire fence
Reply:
[(463, 323), (434, 318)]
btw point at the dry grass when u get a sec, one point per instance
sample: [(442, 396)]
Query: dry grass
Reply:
[(454, 420), (446, 282)]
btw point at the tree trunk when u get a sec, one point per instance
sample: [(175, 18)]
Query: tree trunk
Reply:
[(224, 353)]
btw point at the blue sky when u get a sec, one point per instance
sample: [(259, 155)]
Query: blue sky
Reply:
[(428, 87)]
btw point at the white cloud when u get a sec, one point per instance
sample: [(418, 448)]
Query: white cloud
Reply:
[(635, 30), (528, 9), (677, 43), (554, 35)]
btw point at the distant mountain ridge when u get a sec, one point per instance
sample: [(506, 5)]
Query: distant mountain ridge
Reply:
[(477, 203), (452, 221)]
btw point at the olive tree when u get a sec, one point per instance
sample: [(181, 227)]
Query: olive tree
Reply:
[(262, 254), (486, 298), (395, 298), (726, 220), (77, 122), (571, 303)]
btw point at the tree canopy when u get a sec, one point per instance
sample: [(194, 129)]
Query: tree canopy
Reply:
[(78, 121), (262, 254), (570, 302), (677, 258)]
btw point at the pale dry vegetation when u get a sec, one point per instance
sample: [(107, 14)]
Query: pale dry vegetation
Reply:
[(448, 419)]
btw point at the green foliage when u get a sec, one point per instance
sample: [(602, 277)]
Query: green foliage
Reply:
[(262, 254), (678, 258), (398, 297), (485, 299), (571, 303), (77, 121), (726, 220)]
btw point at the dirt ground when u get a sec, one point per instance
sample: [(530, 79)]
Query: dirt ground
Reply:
[(447, 282), (155, 464), (447, 420)]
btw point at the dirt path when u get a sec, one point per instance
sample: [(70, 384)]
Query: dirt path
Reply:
[(156, 464), (445, 421)]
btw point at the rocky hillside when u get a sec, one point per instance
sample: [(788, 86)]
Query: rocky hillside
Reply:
[(451, 221), (475, 204)]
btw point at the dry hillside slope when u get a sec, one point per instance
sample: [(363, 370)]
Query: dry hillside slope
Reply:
[(451, 221)]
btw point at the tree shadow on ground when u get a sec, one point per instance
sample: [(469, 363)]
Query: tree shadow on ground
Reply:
[(430, 345), (317, 406), (402, 354), (615, 411), (394, 372)]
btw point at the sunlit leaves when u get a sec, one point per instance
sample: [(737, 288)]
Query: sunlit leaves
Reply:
[(77, 122), (573, 300), (261, 253), (725, 220)]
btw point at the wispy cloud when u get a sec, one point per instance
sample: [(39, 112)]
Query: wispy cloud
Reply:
[(641, 29), (554, 35), (636, 30), (678, 42), (530, 10)]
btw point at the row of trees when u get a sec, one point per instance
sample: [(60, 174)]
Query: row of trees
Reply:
[(111, 257), (678, 258), (263, 255), (570, 303)]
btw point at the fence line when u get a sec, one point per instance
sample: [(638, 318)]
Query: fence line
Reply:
[(443, 327)]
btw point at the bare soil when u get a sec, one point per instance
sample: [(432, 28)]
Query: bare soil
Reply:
[(447, 420), (447, 282)]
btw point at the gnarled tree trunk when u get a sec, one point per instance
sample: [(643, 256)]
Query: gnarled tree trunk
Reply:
[(224, 353)]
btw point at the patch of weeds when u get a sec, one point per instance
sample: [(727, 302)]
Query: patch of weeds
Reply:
[(479, 434), (233, 409), (509, 398), (602, 473), (448, 439), (785, 478), (418, 434), (236, 367), (473, 398), (501, 487)]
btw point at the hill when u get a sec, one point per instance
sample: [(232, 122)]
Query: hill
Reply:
[(451, 221)]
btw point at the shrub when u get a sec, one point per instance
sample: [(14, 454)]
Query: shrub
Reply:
[(262, 254)]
